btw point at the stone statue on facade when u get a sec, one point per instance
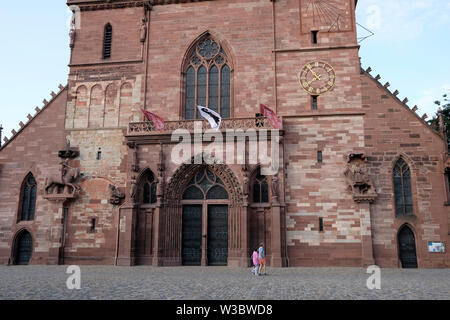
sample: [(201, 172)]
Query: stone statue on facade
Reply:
[(274, 186), (357, 177), (143, 31), (73, 31), (133, 190), (66, 181), (116, 197)]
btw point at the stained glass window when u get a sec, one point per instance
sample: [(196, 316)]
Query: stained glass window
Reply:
[(402, 189), (29, 192), (208, 80)]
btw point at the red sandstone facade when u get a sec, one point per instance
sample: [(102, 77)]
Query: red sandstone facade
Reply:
[(317, 213)]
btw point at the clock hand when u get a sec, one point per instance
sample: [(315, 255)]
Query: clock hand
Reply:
[(314, 74), (309, 82)]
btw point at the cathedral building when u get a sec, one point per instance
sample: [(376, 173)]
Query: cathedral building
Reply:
[(87, 179)]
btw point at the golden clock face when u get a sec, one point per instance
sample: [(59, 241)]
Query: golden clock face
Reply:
[(317, 78)]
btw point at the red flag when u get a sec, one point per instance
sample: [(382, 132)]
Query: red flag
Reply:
[(157, 121), (275, 121)]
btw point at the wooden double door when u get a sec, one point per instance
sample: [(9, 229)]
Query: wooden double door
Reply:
[(205, 235)]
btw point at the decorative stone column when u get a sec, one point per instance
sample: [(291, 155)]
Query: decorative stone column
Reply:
[(60, 190), (157, 225), (126, 221), (364, 194)]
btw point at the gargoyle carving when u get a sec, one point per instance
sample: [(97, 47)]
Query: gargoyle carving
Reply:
[(116, 197)]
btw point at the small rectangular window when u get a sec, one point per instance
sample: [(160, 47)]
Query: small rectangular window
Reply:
[(93, 225), (314, 104), (321, 224), (99, 154), (319, 157), (314, 36)]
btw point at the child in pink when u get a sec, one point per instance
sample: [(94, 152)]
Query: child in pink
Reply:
[(255, 262)]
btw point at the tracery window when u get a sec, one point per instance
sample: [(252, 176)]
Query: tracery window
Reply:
[(260, 189), (149, 189), (402, 189), (28, 200), (207, 80), (205, 185)]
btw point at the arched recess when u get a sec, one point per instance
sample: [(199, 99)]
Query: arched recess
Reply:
[(207, 77), (407, 247), (146, 193), (96, 107), (125, 104), (259, 215), (81, 110), (111, 106), (173, 215), (22, 248)]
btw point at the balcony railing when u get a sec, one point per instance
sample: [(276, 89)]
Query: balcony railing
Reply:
[(148, 128)]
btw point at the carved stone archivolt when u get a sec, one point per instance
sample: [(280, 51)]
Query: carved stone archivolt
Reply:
[(357, 177), (182, 175)]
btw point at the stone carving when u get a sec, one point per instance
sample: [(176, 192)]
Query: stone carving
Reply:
[(175, 187), (133, 189), (160, 178), (143, 33), (274, 187), (358, 179), (65, 183), (116, 197), (73, 32), (245, 184), (146, 128)]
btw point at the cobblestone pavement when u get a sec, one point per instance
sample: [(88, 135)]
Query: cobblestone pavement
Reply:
[(107, 282)]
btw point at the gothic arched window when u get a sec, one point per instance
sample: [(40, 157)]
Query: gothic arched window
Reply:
[(107, 41), (207, 79), (28, 199), (402, 189), (205, 185), (149, 189), (260, 189)]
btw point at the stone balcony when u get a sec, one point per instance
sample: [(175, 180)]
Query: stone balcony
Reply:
[(147, 128)]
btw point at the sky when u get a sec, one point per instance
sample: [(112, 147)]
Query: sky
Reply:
[(410, 49)]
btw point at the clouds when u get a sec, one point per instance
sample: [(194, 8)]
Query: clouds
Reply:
[(410, 47), (399, 21), (428, 96)]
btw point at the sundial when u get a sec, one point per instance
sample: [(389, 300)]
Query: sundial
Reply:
[(326, 15)]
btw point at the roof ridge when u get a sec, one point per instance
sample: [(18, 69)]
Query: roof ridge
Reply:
[(30, 118)]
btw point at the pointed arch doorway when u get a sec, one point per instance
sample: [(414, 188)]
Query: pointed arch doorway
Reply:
[(407, 247), (205, 204), (23, 248)]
